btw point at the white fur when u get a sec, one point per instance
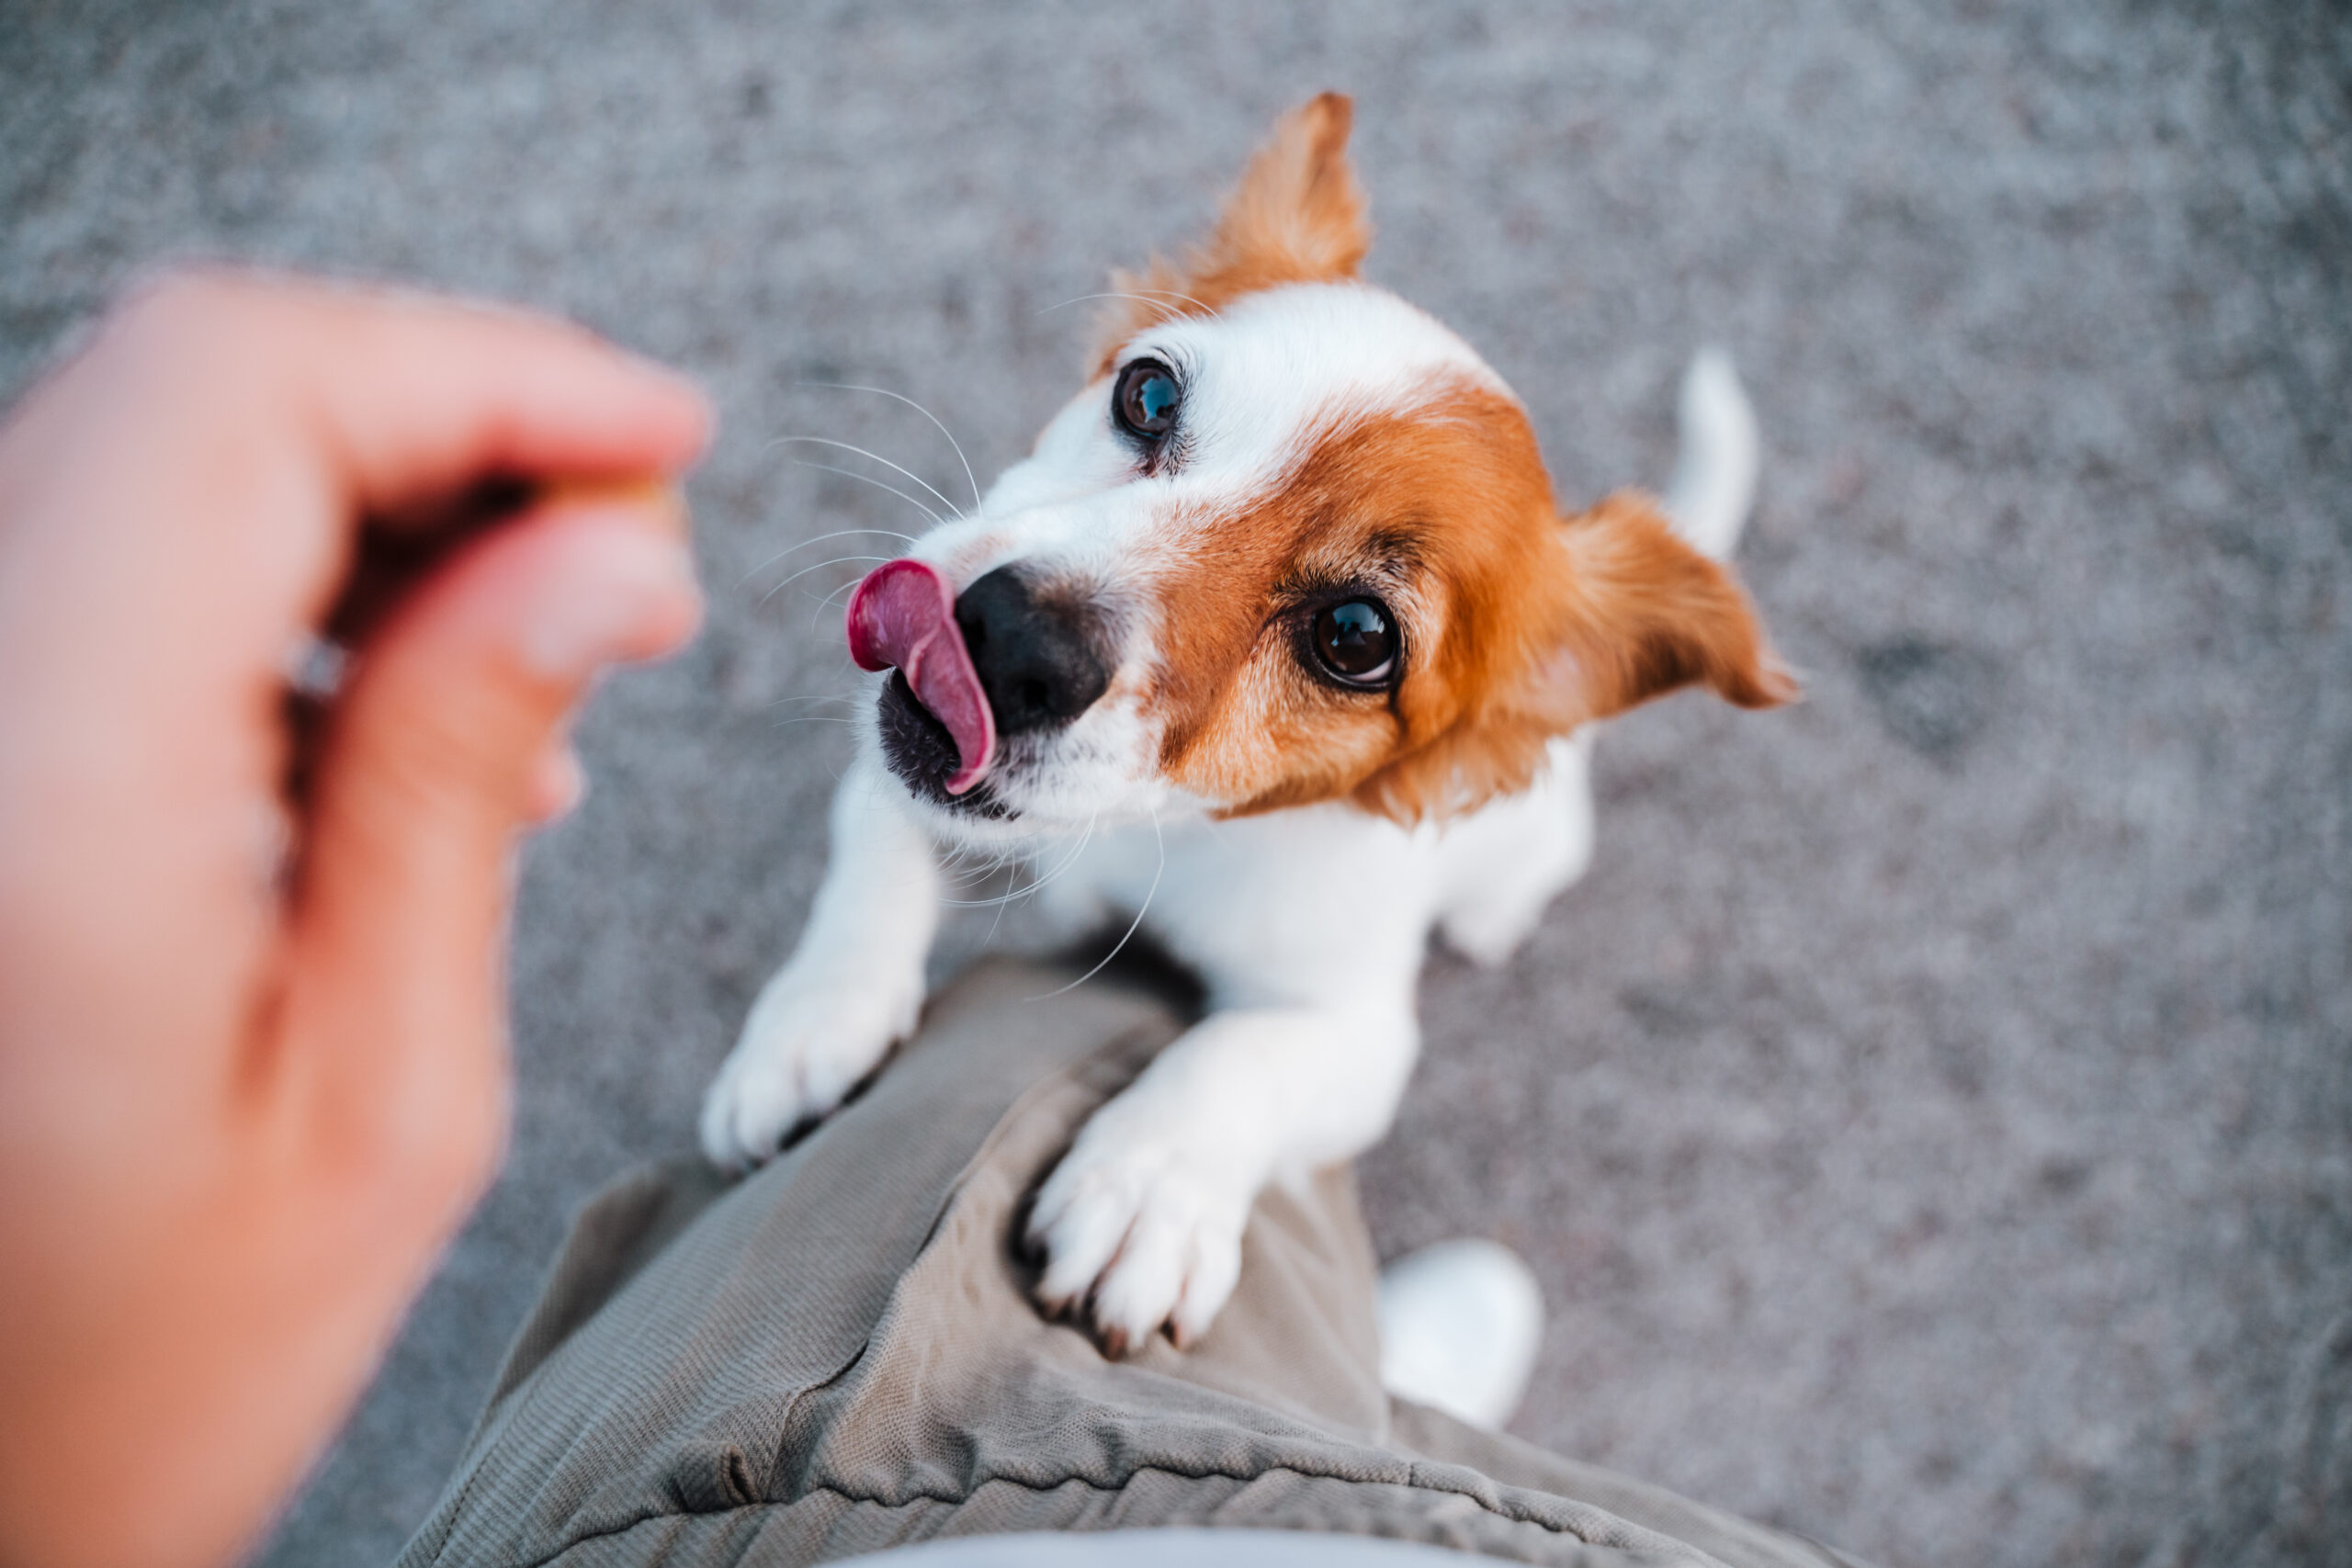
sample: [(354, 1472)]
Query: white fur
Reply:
[(1714, 480), (853, 986), (1307, 926)]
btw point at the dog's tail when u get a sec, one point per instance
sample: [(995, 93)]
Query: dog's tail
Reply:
[(1714, 478)]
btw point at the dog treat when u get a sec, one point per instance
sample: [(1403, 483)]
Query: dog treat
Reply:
[(400, 548), (654, 494)]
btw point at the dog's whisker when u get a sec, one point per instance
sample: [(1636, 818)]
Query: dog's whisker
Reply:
[(959, 860), (937, 521), (1168, 312), (1043, 878), (837, 561), (871, 456), (836, 534), (820, 566), (981, 874), (997, 920), (1002, 860), (884, 392), (1059, 869), (976, 875), (1062, 867), (1201, 305), (1002, 904), (1159, 839), (825, 601)]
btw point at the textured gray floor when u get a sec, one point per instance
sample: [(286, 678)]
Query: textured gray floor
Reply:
[(1932, 1119)]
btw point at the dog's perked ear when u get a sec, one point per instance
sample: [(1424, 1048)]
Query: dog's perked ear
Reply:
[(1622, 610), (1297, 216)]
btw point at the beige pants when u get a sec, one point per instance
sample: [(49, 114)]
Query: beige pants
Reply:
[(838, 1355)]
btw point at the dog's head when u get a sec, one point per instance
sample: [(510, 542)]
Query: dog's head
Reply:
[(1292, 543)]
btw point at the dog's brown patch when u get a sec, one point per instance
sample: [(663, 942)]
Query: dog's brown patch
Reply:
[(1618, 610), (1516, 626), (1297, 216)]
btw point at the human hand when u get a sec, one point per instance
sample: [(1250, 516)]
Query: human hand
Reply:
[(253, 1069)]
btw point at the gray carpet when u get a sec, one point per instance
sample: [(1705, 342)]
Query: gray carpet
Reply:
[(1932, 1119)]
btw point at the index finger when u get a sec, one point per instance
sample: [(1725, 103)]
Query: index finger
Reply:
[(409, 397)]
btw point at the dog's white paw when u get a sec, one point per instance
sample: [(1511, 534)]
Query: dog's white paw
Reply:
[(807, 1043), (1138, 1234)]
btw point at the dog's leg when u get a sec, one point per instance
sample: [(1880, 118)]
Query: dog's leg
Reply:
[(852, 987), (1141, 1223), (1504, 864)]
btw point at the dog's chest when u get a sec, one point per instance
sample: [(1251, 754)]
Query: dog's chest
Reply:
[(1267, 908)]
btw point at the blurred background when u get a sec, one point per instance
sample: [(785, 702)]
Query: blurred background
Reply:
[(1931, 1120)]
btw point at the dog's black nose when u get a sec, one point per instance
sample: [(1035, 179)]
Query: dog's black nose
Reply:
[(1035, 656)]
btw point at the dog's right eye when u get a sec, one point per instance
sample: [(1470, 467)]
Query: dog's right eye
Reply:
[(1146, 399), (1355, 642)]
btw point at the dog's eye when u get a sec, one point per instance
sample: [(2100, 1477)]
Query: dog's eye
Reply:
[(1145, 401), (1356, 642)]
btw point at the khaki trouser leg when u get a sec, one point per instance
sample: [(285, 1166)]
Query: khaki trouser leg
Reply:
[(838, 1355)]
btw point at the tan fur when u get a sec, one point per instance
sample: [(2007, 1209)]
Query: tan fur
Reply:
[(1619, 610), (1416, 508), (1297, 216), (1518, 627)]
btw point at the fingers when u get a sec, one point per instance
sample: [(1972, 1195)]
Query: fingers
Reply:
[(180, 503), (406, 397), (439, 754), (210, 460)]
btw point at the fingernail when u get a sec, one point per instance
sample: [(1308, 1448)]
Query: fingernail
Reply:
[(616, 591)]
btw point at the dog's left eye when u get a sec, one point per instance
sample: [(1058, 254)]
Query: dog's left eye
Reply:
[(1355, 641), (1146, 399)]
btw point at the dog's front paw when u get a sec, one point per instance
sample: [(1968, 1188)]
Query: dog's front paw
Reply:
[(1138, 1234), (807, 1043)]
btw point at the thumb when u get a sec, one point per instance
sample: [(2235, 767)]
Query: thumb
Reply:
[(394, 1019)]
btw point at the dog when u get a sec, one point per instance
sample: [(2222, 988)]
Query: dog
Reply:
[(1276, 646)]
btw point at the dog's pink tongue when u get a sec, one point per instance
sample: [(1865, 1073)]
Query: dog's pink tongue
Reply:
[(903, 617)]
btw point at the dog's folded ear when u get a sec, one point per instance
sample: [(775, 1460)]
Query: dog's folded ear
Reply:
[(1614, 609), (1297, 216), (1648, 615)]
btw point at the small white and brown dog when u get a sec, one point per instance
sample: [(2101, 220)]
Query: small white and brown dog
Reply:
[(1277, 642)]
